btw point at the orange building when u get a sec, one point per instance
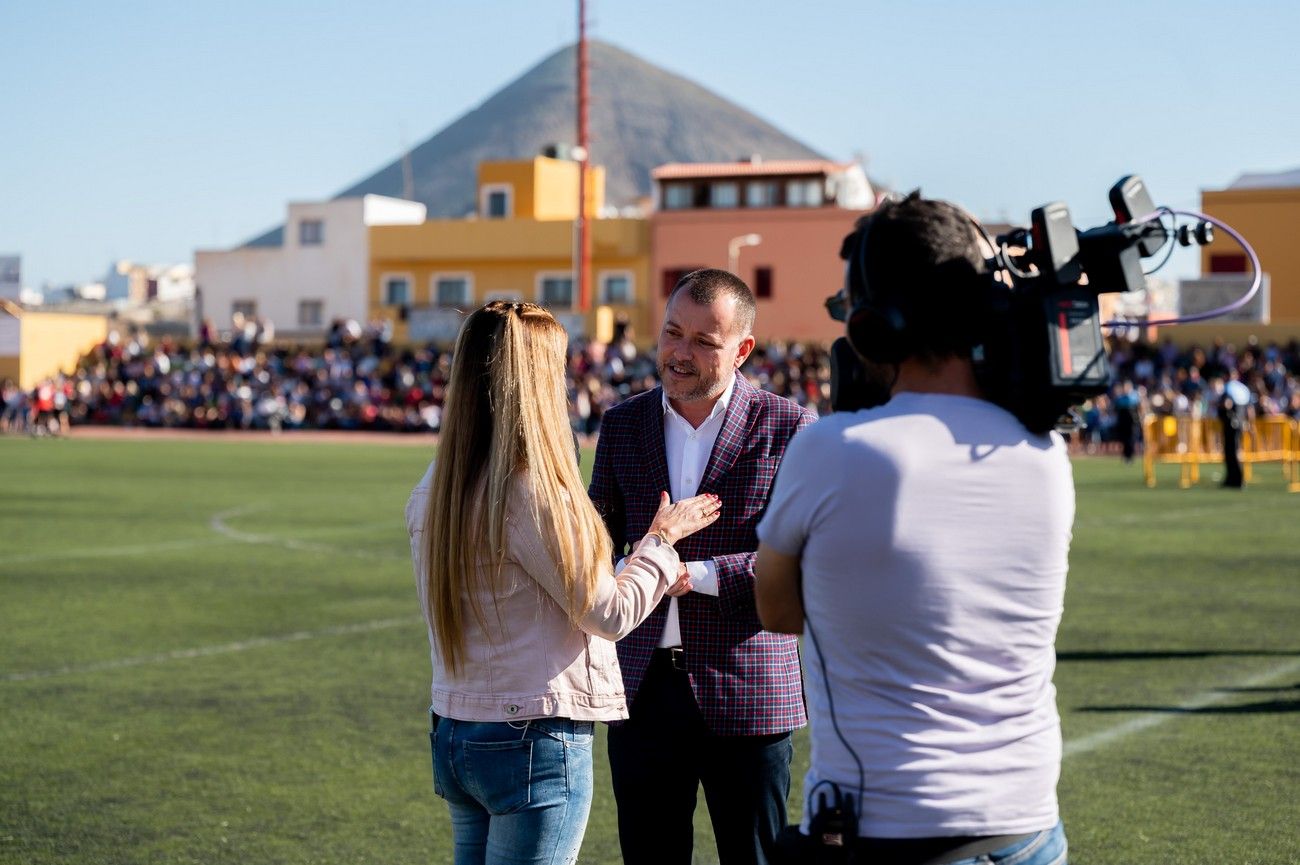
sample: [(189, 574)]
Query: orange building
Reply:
[(778, 225), (424, 277), (1265, 209)]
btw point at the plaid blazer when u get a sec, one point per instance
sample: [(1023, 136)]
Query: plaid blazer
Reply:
[(746, 680)]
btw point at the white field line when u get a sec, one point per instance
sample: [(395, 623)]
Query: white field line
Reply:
[(225, 535), (208, 651), (1073, 748), (1205, 699), (101, 552), (218, 525)]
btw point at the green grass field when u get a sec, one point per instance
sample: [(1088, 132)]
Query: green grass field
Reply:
[(211, 652)]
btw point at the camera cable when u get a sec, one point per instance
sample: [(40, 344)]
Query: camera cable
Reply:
[(854, 804)]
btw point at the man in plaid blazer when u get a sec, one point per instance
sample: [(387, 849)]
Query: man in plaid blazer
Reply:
[(712, 696)]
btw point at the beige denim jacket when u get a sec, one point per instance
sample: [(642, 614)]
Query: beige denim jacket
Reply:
[(530, 661)]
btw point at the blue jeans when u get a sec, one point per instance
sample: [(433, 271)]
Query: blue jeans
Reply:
[(1047, 847), (1043, 848), (519, 791)]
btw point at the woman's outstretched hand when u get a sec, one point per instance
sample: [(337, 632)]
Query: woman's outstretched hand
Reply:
[(676, 520)]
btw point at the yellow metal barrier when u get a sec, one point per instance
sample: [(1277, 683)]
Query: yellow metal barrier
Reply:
[(1193, 442)]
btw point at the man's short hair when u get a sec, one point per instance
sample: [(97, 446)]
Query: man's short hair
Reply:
[(706, 285), (923, 258)]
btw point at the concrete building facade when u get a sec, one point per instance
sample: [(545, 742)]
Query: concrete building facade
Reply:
[(138, 283), (776, 224), (1265, 209), (37, 344), (317, 275), (519, 246)]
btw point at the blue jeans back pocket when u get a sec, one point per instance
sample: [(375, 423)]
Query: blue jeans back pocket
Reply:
[(499, 774)]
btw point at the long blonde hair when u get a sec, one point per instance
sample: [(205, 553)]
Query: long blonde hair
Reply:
[(506, 413)]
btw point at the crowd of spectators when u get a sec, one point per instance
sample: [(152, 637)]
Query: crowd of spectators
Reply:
[(359, 380), (1165, 380)]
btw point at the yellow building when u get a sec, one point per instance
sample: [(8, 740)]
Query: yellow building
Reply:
[(1265, 209), (519, 246), (35, 345)]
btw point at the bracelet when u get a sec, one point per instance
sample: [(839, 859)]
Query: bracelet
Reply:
[(660, 535)]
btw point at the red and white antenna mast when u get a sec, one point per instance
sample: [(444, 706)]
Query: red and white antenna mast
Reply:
[(584, 157)]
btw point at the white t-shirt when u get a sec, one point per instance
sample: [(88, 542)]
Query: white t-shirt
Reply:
[(933, 534)]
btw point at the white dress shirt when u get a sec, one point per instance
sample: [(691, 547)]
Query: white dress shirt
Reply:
[(687, 450)]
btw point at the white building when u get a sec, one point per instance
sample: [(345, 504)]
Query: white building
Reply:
[(318, 273), (173, 282), (132, 283)]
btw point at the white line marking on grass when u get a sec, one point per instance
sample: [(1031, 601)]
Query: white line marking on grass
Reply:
[(1205, 699), (218, 525), (208, 651), (189, 543), (100, 552)]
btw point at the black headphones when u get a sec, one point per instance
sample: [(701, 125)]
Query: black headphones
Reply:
[(876, 324), (880, 321)]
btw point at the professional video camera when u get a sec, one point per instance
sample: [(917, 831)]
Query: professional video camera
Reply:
[(1039, 350)]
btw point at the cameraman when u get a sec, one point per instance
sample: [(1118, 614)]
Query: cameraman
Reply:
[(921, 546)]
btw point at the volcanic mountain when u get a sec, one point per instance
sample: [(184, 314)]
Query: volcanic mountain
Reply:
[(641, 116)]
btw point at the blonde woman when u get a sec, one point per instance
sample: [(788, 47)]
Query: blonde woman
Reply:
[(512, 562)]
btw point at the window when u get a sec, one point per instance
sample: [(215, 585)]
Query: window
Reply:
[(672, 276), (311, 232), (678, 196), (1228, 262), (556, 291), (762, 282), (616, 288), (397, 290), (451, 291), (725, 193), (498, 204), (246, 308), (803, 193), (761, 193), (496, 201), (311, 313)]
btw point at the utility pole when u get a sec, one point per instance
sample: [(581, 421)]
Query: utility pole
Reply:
[(584, 156)]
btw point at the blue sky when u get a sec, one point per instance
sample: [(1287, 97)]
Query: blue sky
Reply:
[(146, 130)]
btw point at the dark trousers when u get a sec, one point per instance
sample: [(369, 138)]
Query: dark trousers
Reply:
[(660, 758), (1231, 459), (1126, 430)]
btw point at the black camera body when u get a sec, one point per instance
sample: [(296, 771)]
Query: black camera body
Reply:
[(1038, 349)]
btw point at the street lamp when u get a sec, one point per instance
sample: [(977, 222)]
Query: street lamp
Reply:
[(734, 245)]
